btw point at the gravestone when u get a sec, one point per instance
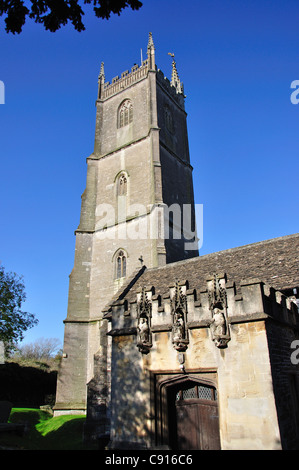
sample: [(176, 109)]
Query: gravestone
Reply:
[(5, 409)]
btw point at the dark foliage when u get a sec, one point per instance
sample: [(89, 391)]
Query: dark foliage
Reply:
[(26, 386), (56, 13)]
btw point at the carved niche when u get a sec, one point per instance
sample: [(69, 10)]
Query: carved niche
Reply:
[(218, 307), (179, 330), (144, 315)]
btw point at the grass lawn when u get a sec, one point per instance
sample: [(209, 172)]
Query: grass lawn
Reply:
[(45, 432)]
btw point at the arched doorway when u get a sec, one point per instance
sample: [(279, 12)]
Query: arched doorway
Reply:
[(189, 416)]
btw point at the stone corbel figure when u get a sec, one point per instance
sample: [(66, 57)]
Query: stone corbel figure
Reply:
[(178, 329), (144, 337), (143, 329), (218, 326), (179, 311)]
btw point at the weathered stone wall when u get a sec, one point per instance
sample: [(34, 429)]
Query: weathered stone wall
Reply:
[(285, 381), (108, 136), (72, 377), (177, 183), (243, 370)]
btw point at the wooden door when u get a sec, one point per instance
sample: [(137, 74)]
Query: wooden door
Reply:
[(195, 422)]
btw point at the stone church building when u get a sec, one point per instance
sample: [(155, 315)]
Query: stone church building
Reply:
[(165, 348)]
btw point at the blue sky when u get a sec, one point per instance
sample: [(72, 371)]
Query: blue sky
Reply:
[(237, 59)]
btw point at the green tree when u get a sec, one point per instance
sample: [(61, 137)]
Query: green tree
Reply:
[(13, 321), (56, 13)]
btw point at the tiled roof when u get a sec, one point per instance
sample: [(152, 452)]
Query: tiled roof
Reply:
[(275, 262)]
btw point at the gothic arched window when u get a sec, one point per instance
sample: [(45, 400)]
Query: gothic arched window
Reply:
[(120, 265), (125, 113), (168, 120)]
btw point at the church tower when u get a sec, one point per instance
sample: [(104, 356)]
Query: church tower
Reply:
[(138, 197)]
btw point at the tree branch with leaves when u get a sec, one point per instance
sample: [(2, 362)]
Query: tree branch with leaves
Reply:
[(53, 14)]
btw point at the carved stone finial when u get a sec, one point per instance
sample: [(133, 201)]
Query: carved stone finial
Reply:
[(151, 52), (216, 295), (101, 81), (102, 73), (150, 43), (144, 304), (175, 81)]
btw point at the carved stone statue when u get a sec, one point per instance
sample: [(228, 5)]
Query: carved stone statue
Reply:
[(143, 330), (218, 322), (218, 327), (218, 306), (179, 327), (144, 340)]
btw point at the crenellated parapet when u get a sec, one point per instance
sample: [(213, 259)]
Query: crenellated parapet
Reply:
[(216, 306), (127, 79), (173, 87)]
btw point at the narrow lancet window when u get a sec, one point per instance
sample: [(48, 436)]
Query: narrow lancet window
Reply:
[(121, 265), (122, 185)]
